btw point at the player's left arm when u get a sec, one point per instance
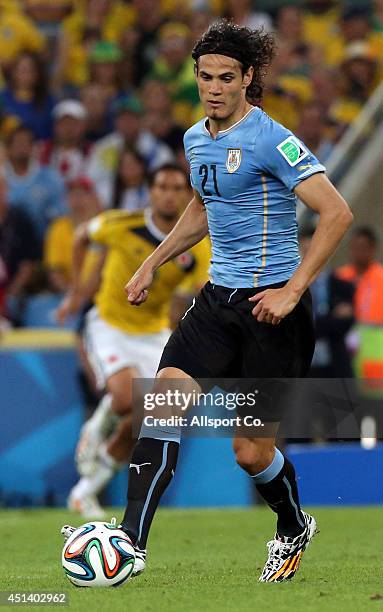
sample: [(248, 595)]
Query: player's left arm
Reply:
[(335, 217)]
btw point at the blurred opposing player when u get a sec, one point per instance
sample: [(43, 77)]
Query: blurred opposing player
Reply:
[(253, 320), (125, 343)]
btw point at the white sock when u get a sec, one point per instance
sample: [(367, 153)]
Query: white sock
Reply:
[(103, 419), (106, 467)]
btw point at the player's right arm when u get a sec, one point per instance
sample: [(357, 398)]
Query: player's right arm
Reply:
[(80, 292), (191, 228), (74, 298)]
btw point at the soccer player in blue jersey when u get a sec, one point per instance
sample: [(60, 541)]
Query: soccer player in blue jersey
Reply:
[(253, 319)]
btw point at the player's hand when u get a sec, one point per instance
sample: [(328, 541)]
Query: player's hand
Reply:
[(272, 305), (69, 306), (136, 288)]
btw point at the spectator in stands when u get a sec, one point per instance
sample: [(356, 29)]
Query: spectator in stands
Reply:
[(366, 273), (377, 16), (129, 131), (26, 94), (334, 316), (158, 117), (358, 80), (144, 37), (324, 86), (280, 103), (175, 66), (17, 33), (294, 54), (98, 122), (68, 151), (19, 251), (58, 246), (36, 189), (312, 129), (130, 189), (199, 22), (289, 27), (92, 20), (321, 21), (354, 26), (242, 12), (104, 70), (47, 15)]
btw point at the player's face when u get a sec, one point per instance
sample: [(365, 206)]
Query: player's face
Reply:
[(221, 85), (169, 194), (69, 129), (20, 148), (362, 251)]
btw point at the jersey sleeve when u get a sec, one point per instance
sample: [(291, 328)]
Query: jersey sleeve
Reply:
[(187, 155), (196, 279), (99, 229), (286, 157)]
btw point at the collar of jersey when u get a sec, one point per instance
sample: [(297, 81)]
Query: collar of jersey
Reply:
[(153, 229), (232, 127), (32, 171)]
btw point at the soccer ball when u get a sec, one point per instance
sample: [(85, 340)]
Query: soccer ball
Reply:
[(98, 554)]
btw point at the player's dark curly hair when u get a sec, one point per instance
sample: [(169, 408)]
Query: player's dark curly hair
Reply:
[(250, 47)]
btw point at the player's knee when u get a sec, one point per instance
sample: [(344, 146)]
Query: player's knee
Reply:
[(253, 456)]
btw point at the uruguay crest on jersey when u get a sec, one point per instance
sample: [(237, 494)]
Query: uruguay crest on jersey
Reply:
[(233, 161)]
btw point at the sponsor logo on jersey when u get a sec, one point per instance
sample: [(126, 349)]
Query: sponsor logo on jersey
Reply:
[(292, 150), (233, 161)]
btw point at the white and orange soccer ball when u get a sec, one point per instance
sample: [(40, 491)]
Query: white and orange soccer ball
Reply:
[(98, 554)]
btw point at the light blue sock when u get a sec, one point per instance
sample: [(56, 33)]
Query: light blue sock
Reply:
[(272, 470), (168, 434)]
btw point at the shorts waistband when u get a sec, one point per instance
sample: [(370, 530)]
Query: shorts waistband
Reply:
[(230, 294)]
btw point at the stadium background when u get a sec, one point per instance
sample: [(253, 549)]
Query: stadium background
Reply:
[(132, 60)]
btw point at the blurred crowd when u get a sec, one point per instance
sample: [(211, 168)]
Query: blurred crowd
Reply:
[(94, 94)]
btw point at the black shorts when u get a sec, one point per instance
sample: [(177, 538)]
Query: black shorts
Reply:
[(219, 338)]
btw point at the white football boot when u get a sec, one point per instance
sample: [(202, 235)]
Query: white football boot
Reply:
[(86, 505), (285, 553), (140, 562), (93, 433)]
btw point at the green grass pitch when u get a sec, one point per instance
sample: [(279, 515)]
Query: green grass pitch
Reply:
[(208, 560)]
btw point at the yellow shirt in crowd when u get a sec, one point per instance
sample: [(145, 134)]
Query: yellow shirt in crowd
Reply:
[(319, 28), (120, 18), (131, 238), (17, 33)]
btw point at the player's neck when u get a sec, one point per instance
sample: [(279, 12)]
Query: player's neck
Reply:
[(163, 224), (218, 125)]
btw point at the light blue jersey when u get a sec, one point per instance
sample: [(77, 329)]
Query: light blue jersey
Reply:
[(246, 177)]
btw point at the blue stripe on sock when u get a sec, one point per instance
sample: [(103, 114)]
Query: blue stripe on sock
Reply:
[(272, 470), (284, 479)]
